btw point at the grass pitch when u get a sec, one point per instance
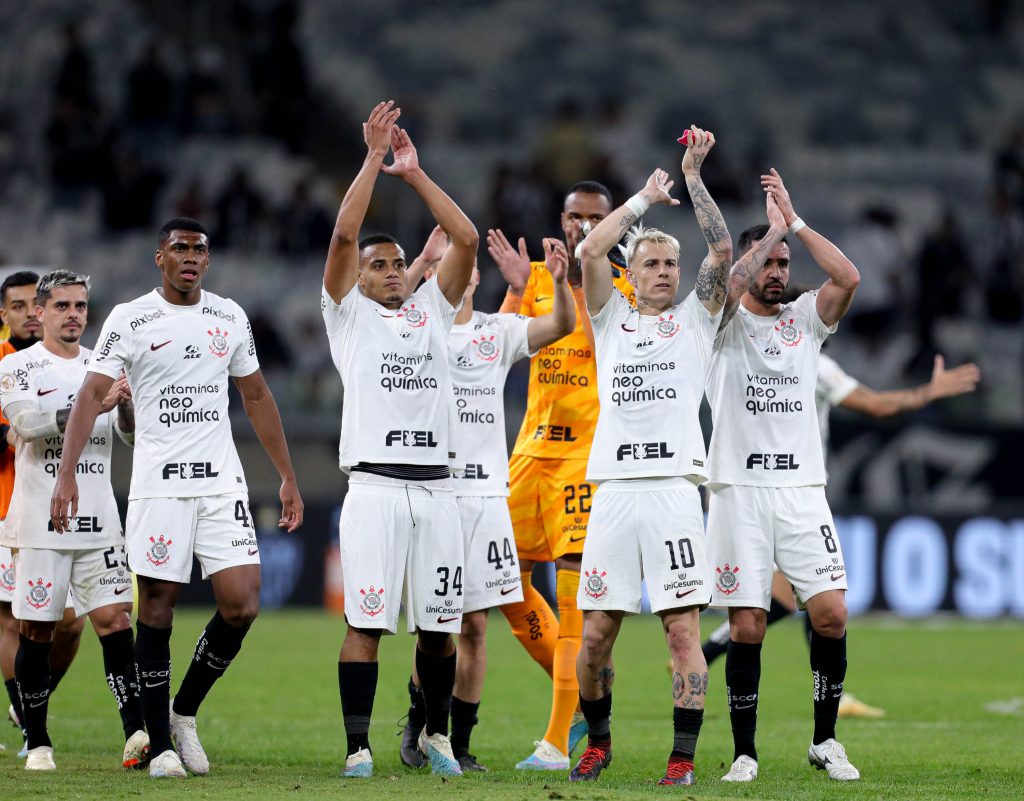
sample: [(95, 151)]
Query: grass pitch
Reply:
[(953, 691)]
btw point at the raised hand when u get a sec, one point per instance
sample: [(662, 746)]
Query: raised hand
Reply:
[(513, 264), (697, 150), (657, 189), (406, 160), (556, 258), (773, 183), (958, 381), (776, 219), (436, 245), (377, 128)]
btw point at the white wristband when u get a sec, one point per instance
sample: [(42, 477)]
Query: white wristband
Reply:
[(797, 225), (638, 205)]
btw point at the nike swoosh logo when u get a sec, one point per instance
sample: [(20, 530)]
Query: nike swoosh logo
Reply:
[(154, 346), (507, 590), (158, 684), (836, 576), (541, 299), (578, 539), (747, 706), (36, 706), (630, 330), (445, 619), (253, 551), (41, 392), (121, 590), (684, 594), (385, 316)]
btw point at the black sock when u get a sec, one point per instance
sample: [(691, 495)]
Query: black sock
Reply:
[(217, 646), (153, 663), (777, 612), (437, 678), (828, 666), (357, 682), (686, 727), (463, 720), (55, 678), (742, 677), (32, 670), (598, 714), (417, 709), (15, 699), (119, 665), (808, 628)]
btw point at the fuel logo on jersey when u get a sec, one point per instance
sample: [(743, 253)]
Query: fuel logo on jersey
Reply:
[(486, 349), (791, 335), (594, 584), (726, 582), (667, 327), (159, 551), (371, 604), (38, 595), (415, 318), (218, 342)]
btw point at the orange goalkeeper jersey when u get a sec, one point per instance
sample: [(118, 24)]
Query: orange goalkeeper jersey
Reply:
[(7, 455), (561, 406)]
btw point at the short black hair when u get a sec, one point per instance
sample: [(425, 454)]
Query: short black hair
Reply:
[(591, 188), (377, 239), (20, 278), (754, 233), (181, 224)]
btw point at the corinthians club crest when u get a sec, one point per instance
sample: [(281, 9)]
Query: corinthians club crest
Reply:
[(667, 327), (158, 552), (486, 349), (372, 601), (38, 595), (7, 577), (790, 335), (218, 342), (414, 318), (726, 581), (594, 584)]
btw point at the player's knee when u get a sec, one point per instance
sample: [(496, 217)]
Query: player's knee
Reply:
[(830, 621), (435, 643), (241, 615), (474, 629), (747, 629), (38, 630), (596, 646)]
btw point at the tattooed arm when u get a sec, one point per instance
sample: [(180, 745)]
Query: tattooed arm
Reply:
[(714, 270), (597, 272), (747, 266)]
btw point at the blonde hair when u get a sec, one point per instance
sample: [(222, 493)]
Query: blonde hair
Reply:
[(638, 235)]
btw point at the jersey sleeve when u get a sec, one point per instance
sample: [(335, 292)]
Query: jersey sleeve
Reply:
[(516, 328), (807, 307), (16, 386), (438, 302), (112, 353), (243, 360), (833, 383)]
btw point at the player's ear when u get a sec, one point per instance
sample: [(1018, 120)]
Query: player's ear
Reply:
[(631, 278)]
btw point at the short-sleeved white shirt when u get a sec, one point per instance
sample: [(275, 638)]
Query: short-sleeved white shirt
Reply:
[(651, 372), (480, 354), (761, 389), (49, 382), (394, 367), (834, 386), (178, 360)]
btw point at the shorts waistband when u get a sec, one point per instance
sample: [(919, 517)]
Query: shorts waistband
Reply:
[(382, 485), (646, 484)]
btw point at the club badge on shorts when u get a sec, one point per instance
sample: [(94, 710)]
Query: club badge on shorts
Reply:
[(159, 551), (38, 595), (7, 577), (371, 604), (594, 584), (727, 583)]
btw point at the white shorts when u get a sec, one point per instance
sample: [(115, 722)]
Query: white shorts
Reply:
[(396, 534), (48, 580), (492, 569), (162, 534), (753, 529), (6, 575), (645, 529)]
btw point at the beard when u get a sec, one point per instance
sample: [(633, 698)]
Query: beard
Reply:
[(769, 294)]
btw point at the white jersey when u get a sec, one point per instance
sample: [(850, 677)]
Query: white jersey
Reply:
[(833, 387), (394, 366), (480, 354), (651, 372), (761, 390), (178, 360), (49, 382)]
